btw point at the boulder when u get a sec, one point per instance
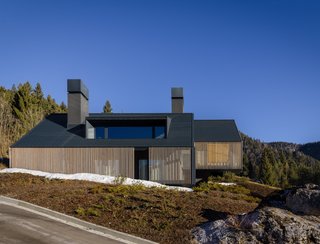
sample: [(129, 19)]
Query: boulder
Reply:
[(304, 200), (265, 225), (289, 216)]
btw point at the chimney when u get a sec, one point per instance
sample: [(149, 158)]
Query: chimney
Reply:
[(177, 99), (78, 96)]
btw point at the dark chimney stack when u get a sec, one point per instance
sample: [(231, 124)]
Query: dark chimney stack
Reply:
[(78, 96), (177, 99)]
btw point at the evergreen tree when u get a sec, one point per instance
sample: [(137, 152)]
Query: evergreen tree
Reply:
[(21, 108), (38, 94), (63, 107), (51, 105), (246, 165), (107, 107), (293, 173), (266, 171)]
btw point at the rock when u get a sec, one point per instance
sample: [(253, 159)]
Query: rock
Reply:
[(304, 200), (290, 216), (265, 225)]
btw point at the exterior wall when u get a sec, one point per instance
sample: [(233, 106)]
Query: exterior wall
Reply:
[(218, 155), (170, 165), (106, 161), (77, 109), (177, 105)]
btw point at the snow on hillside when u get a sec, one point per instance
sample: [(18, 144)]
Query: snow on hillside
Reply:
[(92, 177)]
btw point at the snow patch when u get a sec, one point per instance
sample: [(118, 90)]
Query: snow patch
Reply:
[(105, 179), (225, 183)]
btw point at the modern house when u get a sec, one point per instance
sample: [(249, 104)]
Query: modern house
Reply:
[(170, 148)]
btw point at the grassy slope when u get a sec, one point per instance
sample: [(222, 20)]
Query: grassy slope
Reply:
[(156, 214)]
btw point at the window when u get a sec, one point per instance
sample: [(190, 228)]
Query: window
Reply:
[(100, 133), (159, 132), (130, 132)]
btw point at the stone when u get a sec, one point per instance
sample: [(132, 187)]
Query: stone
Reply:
[(291, 216), (304, 200)]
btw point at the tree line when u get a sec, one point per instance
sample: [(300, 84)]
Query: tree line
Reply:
[(21, 108), (276, 165)]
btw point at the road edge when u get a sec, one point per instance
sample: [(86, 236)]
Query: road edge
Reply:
[(72, 221)]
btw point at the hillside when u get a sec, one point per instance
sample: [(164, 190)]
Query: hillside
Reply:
[(311, 149), (165, 216), (279, 163)]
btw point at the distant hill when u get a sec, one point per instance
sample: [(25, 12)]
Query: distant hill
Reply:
[(311, 149), (287, 146), (281, 163)]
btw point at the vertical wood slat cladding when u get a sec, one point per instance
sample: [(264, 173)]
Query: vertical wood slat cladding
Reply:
[(218, 155), (170, 165), (105, 161)]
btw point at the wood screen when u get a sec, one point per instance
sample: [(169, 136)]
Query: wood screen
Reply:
[(219, 155), (170, 165), (105, 161)]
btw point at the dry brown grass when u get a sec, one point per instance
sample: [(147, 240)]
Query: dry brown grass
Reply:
[(152, 213)]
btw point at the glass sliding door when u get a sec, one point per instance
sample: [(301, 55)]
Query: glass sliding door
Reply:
[(141, 163)]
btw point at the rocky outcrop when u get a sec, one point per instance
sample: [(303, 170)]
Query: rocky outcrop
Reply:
[(305, 200), (280, 219)]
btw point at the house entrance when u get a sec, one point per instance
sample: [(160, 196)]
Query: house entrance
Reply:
[(141, 163)]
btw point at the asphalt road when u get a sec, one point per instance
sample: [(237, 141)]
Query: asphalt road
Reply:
[(21, 226)]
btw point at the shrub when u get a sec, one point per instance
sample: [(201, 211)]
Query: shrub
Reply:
[(80, 211), (96, 189), (203, 187), (93, 212), (227, 177)]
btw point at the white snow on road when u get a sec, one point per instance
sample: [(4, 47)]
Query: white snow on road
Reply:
[(93, 177)]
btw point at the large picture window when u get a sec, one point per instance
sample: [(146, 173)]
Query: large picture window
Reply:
[(130, 132), (100, 133)]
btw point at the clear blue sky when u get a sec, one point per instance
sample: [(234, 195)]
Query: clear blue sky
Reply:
[(257, 62)]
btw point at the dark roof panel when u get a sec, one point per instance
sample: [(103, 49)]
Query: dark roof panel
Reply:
[(53, 132), (216, 131)]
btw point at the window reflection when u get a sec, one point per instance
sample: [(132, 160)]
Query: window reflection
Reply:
[(100, 133), (131, 132)]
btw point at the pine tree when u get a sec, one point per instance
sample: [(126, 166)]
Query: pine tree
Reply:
[(246, 166), (266, 172), (38, 91), (63, 107), (293, 173), (284, 178), (107, 107), (51, 106)]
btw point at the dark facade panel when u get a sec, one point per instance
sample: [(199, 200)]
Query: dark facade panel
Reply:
[(77, 86), (177, 105), (177, 92), (177, 102), (77, 109)]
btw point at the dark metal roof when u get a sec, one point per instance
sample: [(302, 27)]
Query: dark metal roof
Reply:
[(53, 132), (216, 131)]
